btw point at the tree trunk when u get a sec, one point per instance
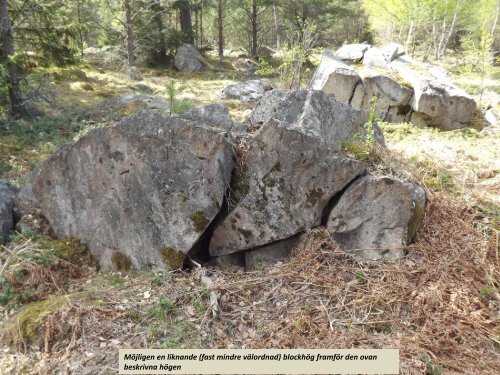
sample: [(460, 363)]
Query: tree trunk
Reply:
[(410, 34), (130, 33), (277, 27), (162, 51), (80, 34), (185, 19), (220, 24), (495, 20), (254, 28), (7, 50), (201, 25)]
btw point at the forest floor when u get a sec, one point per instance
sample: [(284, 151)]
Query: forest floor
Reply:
[(440, 305)]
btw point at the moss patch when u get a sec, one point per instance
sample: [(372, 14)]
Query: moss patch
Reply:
[(172, 258), (121, 261), (415, 221), (25, 327), (199, 220), (70, 249)]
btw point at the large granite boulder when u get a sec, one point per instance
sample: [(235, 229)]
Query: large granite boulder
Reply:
[(7, 198), (248, 91), (377, 217), (188, 59), (139, 193), (293, 172), (335, 78)]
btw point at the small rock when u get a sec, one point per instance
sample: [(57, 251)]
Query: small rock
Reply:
[(7, 197), (247, 91), (187, 59)]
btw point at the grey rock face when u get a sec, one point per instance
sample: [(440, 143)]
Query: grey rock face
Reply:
[(293, 173), (435, 96), (352, 53), (392, 98), (377, 217), (318, 115), (215, 115), (25, 202), (247, 91), (335, 78), (375, 57), (7, 197), (279, 250), (392, 51), (406, 89), (187, 59), (139, 193)]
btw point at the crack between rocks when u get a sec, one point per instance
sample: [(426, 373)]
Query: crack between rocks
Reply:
[(335, 199), (199, 252)]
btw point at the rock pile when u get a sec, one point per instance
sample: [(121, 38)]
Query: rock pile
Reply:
[(151, 189), (398, 87)]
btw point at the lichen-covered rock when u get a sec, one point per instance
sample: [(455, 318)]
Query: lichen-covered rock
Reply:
[(187, 59), (139, 193), (315, 113), (7, 197), (335, 78), (247, 91), (377, 217), (293, 172)]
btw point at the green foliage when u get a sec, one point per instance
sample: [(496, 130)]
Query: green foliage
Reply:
[(294, 69), (266, 69), (432, 369), (430, 27), (487, 291), (160, 311), (115, 279), (11, 297), (363, 146), (176, 106)]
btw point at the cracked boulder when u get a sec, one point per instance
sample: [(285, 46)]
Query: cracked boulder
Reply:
[(377, 217), (293, 172), (335, 78), (139, 193), (314, 113), (392, 97), (436, 101), (405, 89)]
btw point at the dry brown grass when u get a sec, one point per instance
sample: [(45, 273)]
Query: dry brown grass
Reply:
[(431, 304)]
